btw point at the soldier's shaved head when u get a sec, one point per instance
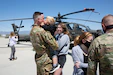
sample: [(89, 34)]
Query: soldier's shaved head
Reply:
[(107, 23), (38, 18), (107, 20), (37, 15)]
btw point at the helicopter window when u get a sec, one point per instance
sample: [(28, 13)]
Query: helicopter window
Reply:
[(82, 28), (70, 26)]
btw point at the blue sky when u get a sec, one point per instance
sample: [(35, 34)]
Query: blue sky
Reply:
[(11, 9)]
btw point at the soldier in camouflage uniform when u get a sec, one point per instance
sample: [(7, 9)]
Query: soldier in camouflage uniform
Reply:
[(101, 50), (42, 41)]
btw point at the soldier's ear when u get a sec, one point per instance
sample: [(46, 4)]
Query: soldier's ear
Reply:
[(103, 26)]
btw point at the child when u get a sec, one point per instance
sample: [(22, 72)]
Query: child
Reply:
[(50, 26), (12, 41)]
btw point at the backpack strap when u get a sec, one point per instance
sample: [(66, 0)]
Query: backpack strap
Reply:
[(63, 45)]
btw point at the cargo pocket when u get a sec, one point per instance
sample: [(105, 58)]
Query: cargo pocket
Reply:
[(48, 67), (48, 64)]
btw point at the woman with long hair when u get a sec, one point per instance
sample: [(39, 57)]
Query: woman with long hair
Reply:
[(63, 39), (12, 41), (79, 53)]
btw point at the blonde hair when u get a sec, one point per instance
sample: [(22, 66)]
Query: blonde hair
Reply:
[(51, 20), (12, 34), (78, 39)]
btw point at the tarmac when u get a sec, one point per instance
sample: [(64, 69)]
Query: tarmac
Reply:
[(25, 64)]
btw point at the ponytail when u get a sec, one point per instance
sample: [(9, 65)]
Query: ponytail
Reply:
[(77, 40)]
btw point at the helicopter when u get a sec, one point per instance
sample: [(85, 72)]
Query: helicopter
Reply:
[(20, 37), (74, 28)]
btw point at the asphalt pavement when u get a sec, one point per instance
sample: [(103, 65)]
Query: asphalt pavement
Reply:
[(25, 64)]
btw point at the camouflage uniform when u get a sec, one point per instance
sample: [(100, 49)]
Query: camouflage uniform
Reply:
[(42, 41), (101, 50)]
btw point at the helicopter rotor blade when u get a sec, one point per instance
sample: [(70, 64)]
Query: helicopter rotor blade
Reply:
[(59, 17), (85, 9), (16, 19), (20, 26), (21, 22), (82, 20)]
